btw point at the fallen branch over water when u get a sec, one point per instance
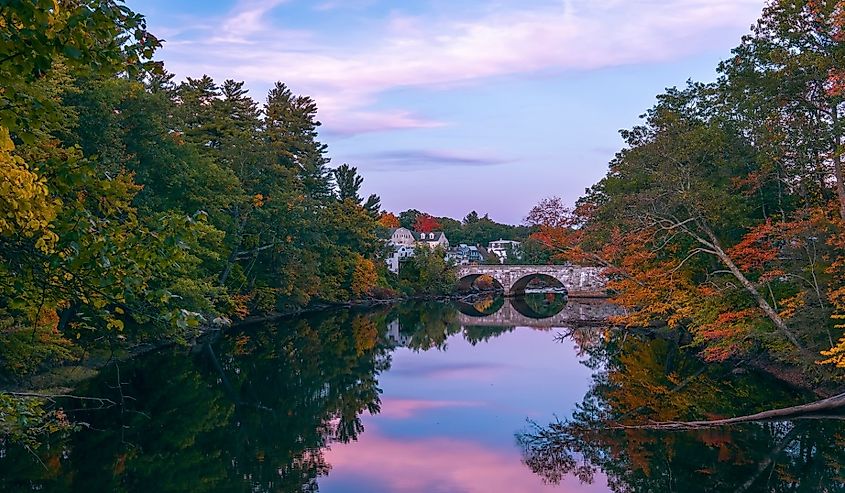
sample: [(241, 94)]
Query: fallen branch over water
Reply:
[(822, 409), (52, 397)]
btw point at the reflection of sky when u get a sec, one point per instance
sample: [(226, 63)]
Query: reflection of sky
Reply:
[(449, 417)]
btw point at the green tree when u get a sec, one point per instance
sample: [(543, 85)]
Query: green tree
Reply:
[(349, 184), (428, 273), (408, 218)]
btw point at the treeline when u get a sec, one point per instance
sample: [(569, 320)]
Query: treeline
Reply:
[(472, 230), (133, 207), (476, 230), (724, 213)]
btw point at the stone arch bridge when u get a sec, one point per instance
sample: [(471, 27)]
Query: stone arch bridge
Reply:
[(585, 282)]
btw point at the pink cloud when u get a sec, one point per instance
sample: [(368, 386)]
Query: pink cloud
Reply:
[(438, 464), (347, 71), (344, 123), (408, 408)]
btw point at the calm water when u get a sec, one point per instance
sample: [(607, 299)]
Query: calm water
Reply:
[(490, 397)]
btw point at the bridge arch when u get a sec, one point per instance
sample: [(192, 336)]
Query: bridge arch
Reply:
[(519, 287), (467, 282), (539, 306), (483, 307)]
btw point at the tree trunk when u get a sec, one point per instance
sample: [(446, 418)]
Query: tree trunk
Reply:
[(230, 262), (837, 162), (233, 257), (770, 459), (749, 286), (832, 406)]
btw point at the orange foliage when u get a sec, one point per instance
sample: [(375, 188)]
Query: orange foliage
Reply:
[(241, 308), (728, 334), (756, 250), (389, 220), (242, 345), (651, 288)]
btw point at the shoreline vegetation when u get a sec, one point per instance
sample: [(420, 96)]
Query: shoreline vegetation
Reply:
[(136, 208)]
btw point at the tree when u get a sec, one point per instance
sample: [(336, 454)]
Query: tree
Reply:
[(428, 273), (93, 36), (673, 188), (291, 129), (787, 76), (389, 220), (426, 224), (349, 184), (408, 218)]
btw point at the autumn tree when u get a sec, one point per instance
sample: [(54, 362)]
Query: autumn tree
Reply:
[(425, 223), (389, 220)]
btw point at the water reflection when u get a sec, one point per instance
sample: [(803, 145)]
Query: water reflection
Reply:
[(427, 397), (253, 410), (650, 379)]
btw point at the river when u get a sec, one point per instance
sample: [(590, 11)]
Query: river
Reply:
[(430, 397)]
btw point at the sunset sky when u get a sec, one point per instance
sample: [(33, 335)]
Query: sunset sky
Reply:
[(452, 105)]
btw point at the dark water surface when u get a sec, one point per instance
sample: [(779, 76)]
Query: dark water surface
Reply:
[(425, 397)]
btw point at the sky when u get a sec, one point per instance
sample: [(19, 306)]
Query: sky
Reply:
[(448, 106)]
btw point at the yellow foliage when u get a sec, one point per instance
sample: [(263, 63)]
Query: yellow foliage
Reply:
[(790, 306), (365, 333), (364, 276), (25, 202), (836, 354)]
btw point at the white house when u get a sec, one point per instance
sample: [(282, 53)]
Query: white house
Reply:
[(433, 239), (403, 242), (400, 253), (402, 237), (501, 248)]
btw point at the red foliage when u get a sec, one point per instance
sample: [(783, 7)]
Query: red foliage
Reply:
[(756, 249), (426, 224)]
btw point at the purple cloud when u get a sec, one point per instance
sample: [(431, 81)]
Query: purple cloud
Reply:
[(421, 159)]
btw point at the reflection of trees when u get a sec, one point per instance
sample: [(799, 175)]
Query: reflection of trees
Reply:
[(255, 418), (651, 379), (483, 307), (427, 324), (430, 324), (489, 304), (475, 334)]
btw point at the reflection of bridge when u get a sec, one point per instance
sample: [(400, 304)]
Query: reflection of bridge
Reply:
[(578, 281), (576, 312)]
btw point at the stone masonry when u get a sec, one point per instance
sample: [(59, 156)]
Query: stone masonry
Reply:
[(578, 281)]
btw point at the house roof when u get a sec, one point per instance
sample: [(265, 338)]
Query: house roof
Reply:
[(391, 231), (437, 235)]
